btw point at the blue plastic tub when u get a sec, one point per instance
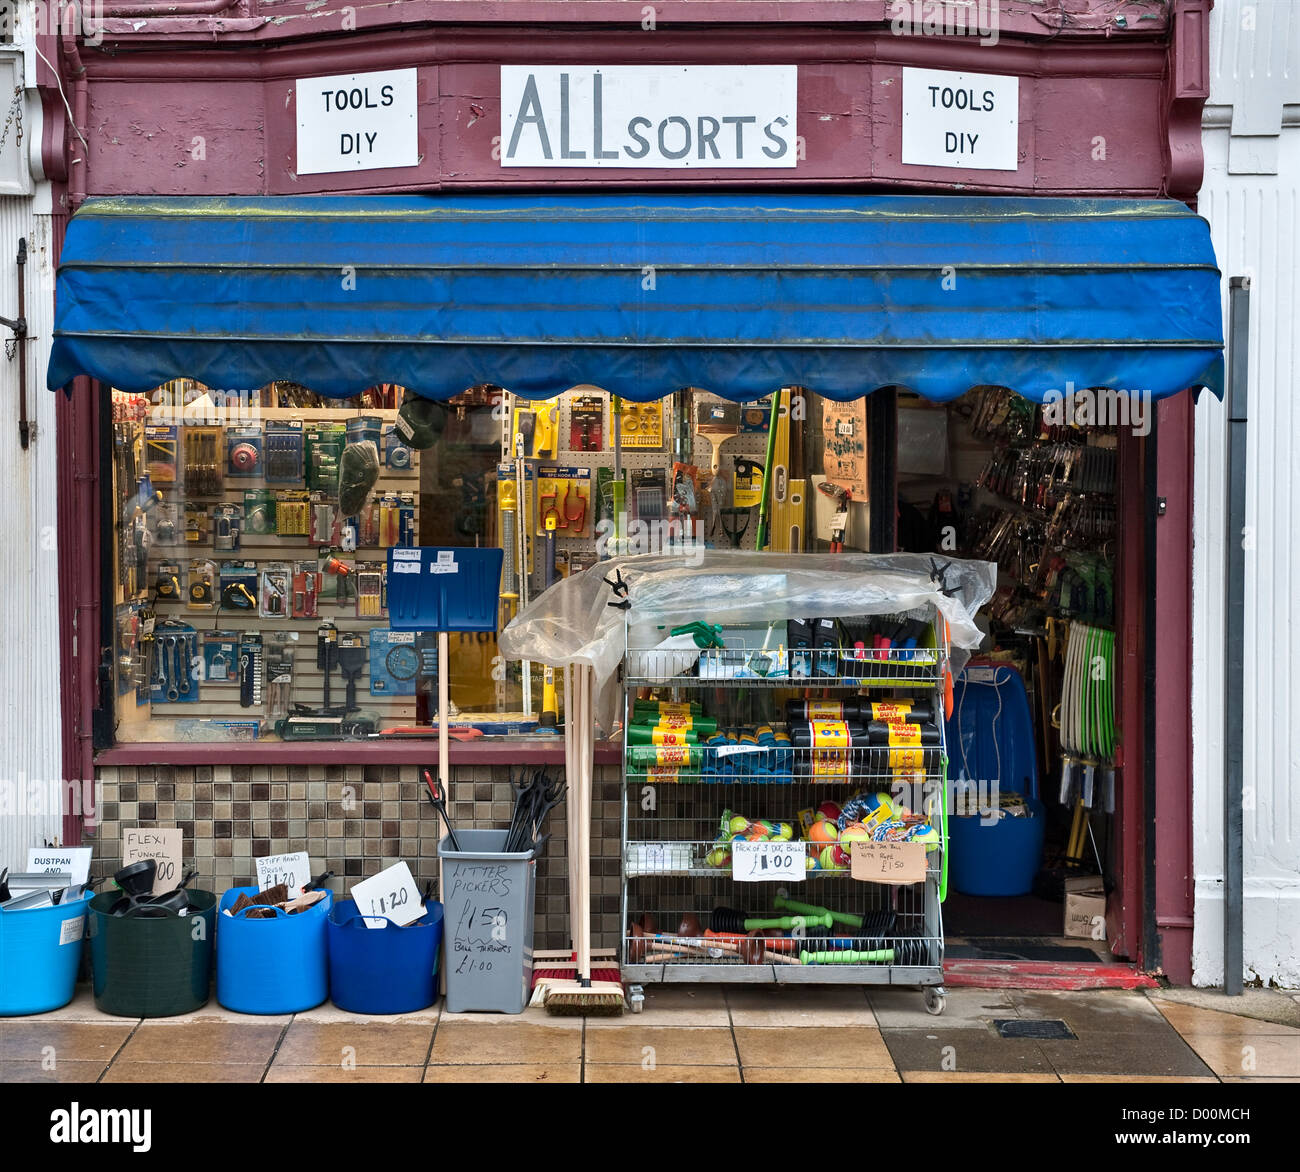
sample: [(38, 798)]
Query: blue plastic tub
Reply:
[(271, 965), (383, 970), (991, 742), (40, 951)]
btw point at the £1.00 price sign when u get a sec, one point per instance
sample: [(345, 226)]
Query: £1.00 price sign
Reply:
[(764, 862)]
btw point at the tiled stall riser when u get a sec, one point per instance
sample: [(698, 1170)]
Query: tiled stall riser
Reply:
[(352, 820)]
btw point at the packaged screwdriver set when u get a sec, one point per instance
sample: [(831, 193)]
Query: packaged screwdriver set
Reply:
[(283, 452)]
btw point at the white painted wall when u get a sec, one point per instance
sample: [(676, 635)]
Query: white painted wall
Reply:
[(30, 748), (1251, 197)]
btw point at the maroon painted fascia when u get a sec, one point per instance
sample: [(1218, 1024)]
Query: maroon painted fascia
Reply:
[(147, 104), (267, 22), (395, 752)]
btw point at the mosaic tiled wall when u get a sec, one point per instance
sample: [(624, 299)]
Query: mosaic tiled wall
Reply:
[(352, 820)]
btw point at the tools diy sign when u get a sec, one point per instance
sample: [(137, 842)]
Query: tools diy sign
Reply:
[(357, 122), (662, 116), (969, 120)]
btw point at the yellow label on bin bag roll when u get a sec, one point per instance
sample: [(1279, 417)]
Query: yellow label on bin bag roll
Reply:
[(673, 708), (890, 711), (673, 755), (667, 736), (664, 773), (675, 720), (905, 747), (825, 710), (830, 744)]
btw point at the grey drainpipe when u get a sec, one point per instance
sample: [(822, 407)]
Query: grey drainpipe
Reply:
[(1235, 632)]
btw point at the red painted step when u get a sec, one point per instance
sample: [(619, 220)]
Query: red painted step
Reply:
[(1043, 974)]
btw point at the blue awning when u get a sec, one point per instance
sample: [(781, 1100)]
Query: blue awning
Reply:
[(640, 294)]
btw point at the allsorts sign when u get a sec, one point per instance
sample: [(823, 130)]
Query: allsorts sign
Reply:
[(657, 116)]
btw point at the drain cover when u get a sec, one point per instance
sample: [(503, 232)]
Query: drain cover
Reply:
[(1049, 1029)]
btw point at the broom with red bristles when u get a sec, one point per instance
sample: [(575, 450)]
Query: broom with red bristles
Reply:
[(584, 994)]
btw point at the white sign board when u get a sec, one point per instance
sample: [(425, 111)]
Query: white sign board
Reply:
[(357, 122), (669, 117), (72, 860), (769, 862), (968, 120), (165, 846), (293, 870), (392, 894)]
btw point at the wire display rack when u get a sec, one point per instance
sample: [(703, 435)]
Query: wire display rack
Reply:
[(685, 916)]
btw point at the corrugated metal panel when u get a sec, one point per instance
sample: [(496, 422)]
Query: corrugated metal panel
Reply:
[(31, 764), (1253, 221), (1252, 40)]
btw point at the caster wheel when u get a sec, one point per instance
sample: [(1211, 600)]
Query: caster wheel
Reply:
[(934, 1000)]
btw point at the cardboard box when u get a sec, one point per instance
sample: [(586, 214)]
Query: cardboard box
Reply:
[(1085, 907)]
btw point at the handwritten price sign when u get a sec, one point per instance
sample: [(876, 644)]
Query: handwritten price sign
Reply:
[(294, 871), (888, 862), (768, 862), (392, 894), (163, 846)]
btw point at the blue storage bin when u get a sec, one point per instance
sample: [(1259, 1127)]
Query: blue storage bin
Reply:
[(40, 951), (383, 970), (275, 965), (991, 739)]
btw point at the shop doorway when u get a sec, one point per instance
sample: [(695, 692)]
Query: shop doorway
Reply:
[(1041, 728)]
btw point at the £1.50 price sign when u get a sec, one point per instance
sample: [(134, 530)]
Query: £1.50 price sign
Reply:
[(768, 862)]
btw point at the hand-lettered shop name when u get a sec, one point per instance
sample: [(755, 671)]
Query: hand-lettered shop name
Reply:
[(648, 116)]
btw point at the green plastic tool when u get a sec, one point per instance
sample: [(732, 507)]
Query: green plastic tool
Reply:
[(811, 909), (877, 956)]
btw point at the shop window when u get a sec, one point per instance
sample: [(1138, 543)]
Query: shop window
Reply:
[(248, 574)]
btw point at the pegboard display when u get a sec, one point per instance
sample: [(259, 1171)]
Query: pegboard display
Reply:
[(655, 463), (237, 559)]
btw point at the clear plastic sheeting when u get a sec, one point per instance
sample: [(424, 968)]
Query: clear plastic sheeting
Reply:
[(572, 622)]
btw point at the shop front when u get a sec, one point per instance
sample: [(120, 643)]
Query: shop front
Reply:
[(420, 293)]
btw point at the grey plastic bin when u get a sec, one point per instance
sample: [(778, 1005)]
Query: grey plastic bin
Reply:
[(487, 923)]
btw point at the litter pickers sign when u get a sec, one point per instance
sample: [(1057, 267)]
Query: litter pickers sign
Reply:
[(968, 120), (649, 116), (357, 122)]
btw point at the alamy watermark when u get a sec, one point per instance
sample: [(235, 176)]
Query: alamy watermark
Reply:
[(84, 18), (24, 796), (946, 18), (670, 537), (1098, 407)]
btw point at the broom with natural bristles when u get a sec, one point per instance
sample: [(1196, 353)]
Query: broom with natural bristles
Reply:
[(581, 996)]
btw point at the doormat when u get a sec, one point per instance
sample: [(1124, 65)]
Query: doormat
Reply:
[(1061, 952), (1043, 1030)]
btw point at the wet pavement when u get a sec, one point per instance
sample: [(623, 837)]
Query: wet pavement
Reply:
[(688, 1034)]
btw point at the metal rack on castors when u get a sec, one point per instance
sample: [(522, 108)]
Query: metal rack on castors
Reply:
[(685, 917)]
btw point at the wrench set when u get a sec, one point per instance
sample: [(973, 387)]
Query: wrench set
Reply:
[(176, 666)]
